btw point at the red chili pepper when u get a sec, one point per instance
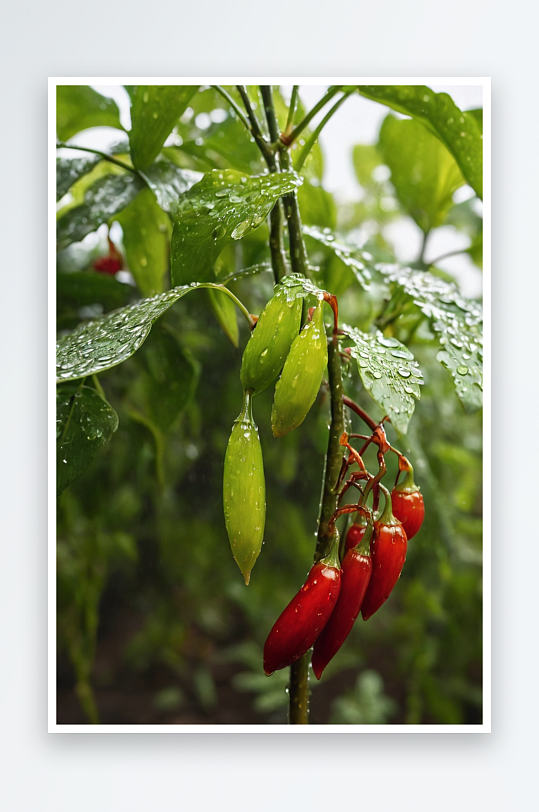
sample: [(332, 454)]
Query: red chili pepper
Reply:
[(409, 509), (408, 505), (388, 551), (356, 573), (355, 533), (111, 263), (299, 625)]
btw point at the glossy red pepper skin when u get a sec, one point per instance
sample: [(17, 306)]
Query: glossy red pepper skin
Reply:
[(409, 509), (111, 263), (108, 264), (354, 535), (356, 574), (301, 622), (388, 551)]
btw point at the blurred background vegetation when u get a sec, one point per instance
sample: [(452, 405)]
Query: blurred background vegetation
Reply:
[(155, 624)]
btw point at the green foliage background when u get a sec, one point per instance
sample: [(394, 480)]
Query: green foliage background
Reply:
[(155, 624)]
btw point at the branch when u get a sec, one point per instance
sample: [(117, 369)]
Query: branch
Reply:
[(237, 109), (263, 146), (289, 139), (276, 242), (103, 155), (314, 137)]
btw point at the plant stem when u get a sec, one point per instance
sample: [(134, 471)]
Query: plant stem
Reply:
[(445, 256), (310, 115), (86, 697), (276, 242), (237, 109), (314, 137), (103, 155), (330, 493), (291, 110), (298, 253), (254, 125), (359, 411), (421, 257), (299, 691), (299, 671), (235, 299)]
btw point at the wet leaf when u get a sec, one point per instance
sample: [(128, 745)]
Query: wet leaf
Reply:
[(389, 373), (457, 324), (155, 109), (168, 182), (224, 206), (146, 230), (353, 258), (425, 175), (68, 172), (79, 107), (224, 145), (298, 286), (169, 379), (108, 341), (459, 131), (105, 198), (84, 423)]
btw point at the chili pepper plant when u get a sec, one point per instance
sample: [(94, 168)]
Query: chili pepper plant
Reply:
[(268, 426)]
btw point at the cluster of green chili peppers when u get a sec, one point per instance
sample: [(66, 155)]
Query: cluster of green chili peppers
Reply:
[(276, 343)]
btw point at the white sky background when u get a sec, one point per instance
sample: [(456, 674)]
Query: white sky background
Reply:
[(358, 121)]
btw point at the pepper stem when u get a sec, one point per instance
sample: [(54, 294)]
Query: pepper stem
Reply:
[(364, 546), (408, 485), (246, 413), (387, 516), (332, 558)]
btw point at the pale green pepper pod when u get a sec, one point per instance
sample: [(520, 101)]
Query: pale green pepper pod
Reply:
[(270, 341), (244, 490), (300, 381)]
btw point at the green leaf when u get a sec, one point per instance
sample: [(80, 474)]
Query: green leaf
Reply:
[(225, 206), (224, 145), (316, 205), (352, 257), (224, 311), (366, 157), (300, 287), (155, 109), (105, 198), (108, 341), (252, 270), (423, 172), (68, 172), (170, 377), (83, 288), (79, 107), (84, 423), (476, 249), (168, 182), (460, 132), (389, 373), (463, 216), (146, 229), (457, 324)]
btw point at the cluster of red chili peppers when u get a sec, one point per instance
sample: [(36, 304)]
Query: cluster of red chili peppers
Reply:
[(359, 574)]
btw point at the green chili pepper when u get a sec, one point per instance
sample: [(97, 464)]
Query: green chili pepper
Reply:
[(271, 339), (244, 491), (300, 381)]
